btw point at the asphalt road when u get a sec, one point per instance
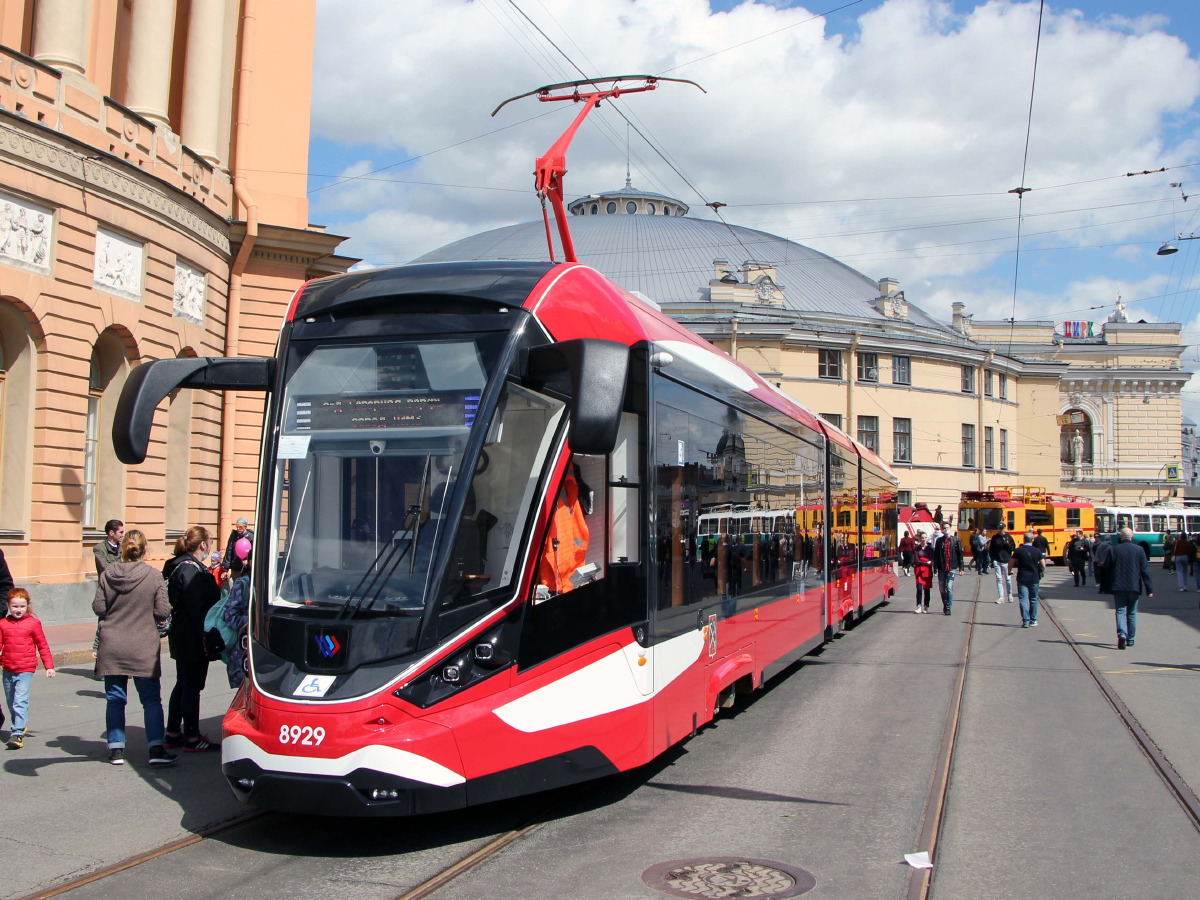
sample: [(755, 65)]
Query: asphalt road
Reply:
[(827, 770)]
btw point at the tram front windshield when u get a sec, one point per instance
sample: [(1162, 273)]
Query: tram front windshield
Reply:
[(370, 451)]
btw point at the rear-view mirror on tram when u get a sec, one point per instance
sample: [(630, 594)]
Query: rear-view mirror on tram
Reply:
[(149, 384), (591, 375)]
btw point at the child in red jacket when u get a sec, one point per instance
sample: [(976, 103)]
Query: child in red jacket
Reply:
[(21, 642)]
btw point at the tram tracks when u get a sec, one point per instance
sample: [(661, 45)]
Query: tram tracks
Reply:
[(1175, 784), (920, 880), (145, 857)]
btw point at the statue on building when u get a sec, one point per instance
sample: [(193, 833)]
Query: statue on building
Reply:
[(1119, 314), (1077, 453)]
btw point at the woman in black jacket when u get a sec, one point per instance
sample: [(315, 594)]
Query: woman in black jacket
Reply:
[(192, 592)]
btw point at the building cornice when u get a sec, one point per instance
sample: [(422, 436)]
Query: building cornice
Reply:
[(35, 147)]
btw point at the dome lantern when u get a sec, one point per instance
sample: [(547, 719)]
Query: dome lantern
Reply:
[(627, 201)]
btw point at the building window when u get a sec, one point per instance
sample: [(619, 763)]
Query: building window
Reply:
[(902, 440), (868, 432), (832, 419), (901, 370), (989, 455), (968, 445), (595, 208), (868, 367), (610, 208), (987, 382), (631, 207), (1003, 379), (968, 379), (666, 209), (1004, 449), (91, 437), (1075, 439), (651, 208), (904, 498), (830, 364)]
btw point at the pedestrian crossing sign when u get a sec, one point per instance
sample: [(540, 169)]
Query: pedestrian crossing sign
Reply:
[(1172, 473)]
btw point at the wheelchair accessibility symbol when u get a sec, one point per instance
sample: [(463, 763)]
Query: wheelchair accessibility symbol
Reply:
[(314, 686)]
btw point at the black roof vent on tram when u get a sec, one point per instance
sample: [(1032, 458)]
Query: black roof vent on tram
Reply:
[(503, 282)]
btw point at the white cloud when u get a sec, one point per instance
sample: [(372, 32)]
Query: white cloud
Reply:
[(923, 101)]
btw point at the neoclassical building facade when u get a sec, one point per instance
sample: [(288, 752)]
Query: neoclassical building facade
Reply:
[(152, 204), (1118, 403)]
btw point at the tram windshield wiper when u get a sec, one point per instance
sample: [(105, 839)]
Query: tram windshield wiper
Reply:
[(387, 560)]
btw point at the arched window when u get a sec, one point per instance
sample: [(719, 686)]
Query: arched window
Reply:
[(18, 361), (651, 209), (666, 209), (103, 474), (595, 208), (631, 207), (610, 208), (1068, 447)]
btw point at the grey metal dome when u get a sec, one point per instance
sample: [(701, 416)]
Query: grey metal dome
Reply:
[(670, 259)]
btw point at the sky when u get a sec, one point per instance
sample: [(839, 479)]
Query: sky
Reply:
[(887, 134)]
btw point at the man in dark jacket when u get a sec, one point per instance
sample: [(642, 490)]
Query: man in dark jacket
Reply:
[(108, 551), (1041, 543), (947, 560), (241, 530), (1079, 551), (1001, 549), (1130, 575)]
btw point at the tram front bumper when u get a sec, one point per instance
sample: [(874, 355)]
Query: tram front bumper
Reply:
[(363, 792)]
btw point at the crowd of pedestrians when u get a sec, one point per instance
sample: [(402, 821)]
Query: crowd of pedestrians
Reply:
[(1121, 570), (199, 602)]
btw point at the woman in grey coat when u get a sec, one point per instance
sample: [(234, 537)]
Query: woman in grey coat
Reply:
[(131, 603)]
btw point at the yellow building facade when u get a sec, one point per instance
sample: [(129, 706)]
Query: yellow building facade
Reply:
[(152, 204)]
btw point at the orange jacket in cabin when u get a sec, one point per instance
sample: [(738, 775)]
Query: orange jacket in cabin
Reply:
[(567, 541)]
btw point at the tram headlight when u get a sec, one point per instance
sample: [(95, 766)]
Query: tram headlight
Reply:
[(466, 665)]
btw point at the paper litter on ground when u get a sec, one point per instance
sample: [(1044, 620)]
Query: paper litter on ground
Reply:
[(918, 860)]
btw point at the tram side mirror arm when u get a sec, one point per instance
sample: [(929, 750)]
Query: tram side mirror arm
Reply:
[(592, 375), (151, 382)]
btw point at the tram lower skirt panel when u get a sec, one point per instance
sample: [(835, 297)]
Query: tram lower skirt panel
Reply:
[(366, 792)]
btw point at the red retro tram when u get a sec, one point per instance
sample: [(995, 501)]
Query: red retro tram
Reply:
[(488, 560)]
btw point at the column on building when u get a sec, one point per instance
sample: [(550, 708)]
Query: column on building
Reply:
[(60, 33), (148, 73), (202, 78)]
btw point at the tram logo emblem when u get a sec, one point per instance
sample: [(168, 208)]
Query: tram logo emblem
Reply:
[(327, 645), (712, 636)]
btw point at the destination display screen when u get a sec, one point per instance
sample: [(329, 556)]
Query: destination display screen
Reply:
[(350, 412)]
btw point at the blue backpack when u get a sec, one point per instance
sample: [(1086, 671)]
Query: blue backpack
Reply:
[(218, 636)]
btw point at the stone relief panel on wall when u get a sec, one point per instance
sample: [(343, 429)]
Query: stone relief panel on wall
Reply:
[(26, 232), (189, 294), (118, 265)]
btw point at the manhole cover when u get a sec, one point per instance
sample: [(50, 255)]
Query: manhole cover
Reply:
[(728, 876)]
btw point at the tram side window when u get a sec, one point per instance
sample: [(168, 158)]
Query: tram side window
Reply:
[(1160, 523), (1124, 520), (1141, 523), (1012, 520), (1176, 523), (1193, 523)]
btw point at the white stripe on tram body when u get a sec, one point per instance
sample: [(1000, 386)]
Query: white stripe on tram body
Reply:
[(613, 682)]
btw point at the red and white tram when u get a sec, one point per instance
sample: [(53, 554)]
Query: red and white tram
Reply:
[(489, 559)]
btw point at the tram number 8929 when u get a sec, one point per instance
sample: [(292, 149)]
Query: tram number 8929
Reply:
[(306, 736)]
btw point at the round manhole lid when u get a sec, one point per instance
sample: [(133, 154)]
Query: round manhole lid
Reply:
[(719, 877)]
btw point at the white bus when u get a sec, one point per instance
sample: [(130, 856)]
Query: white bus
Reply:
[(1149, 524)]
